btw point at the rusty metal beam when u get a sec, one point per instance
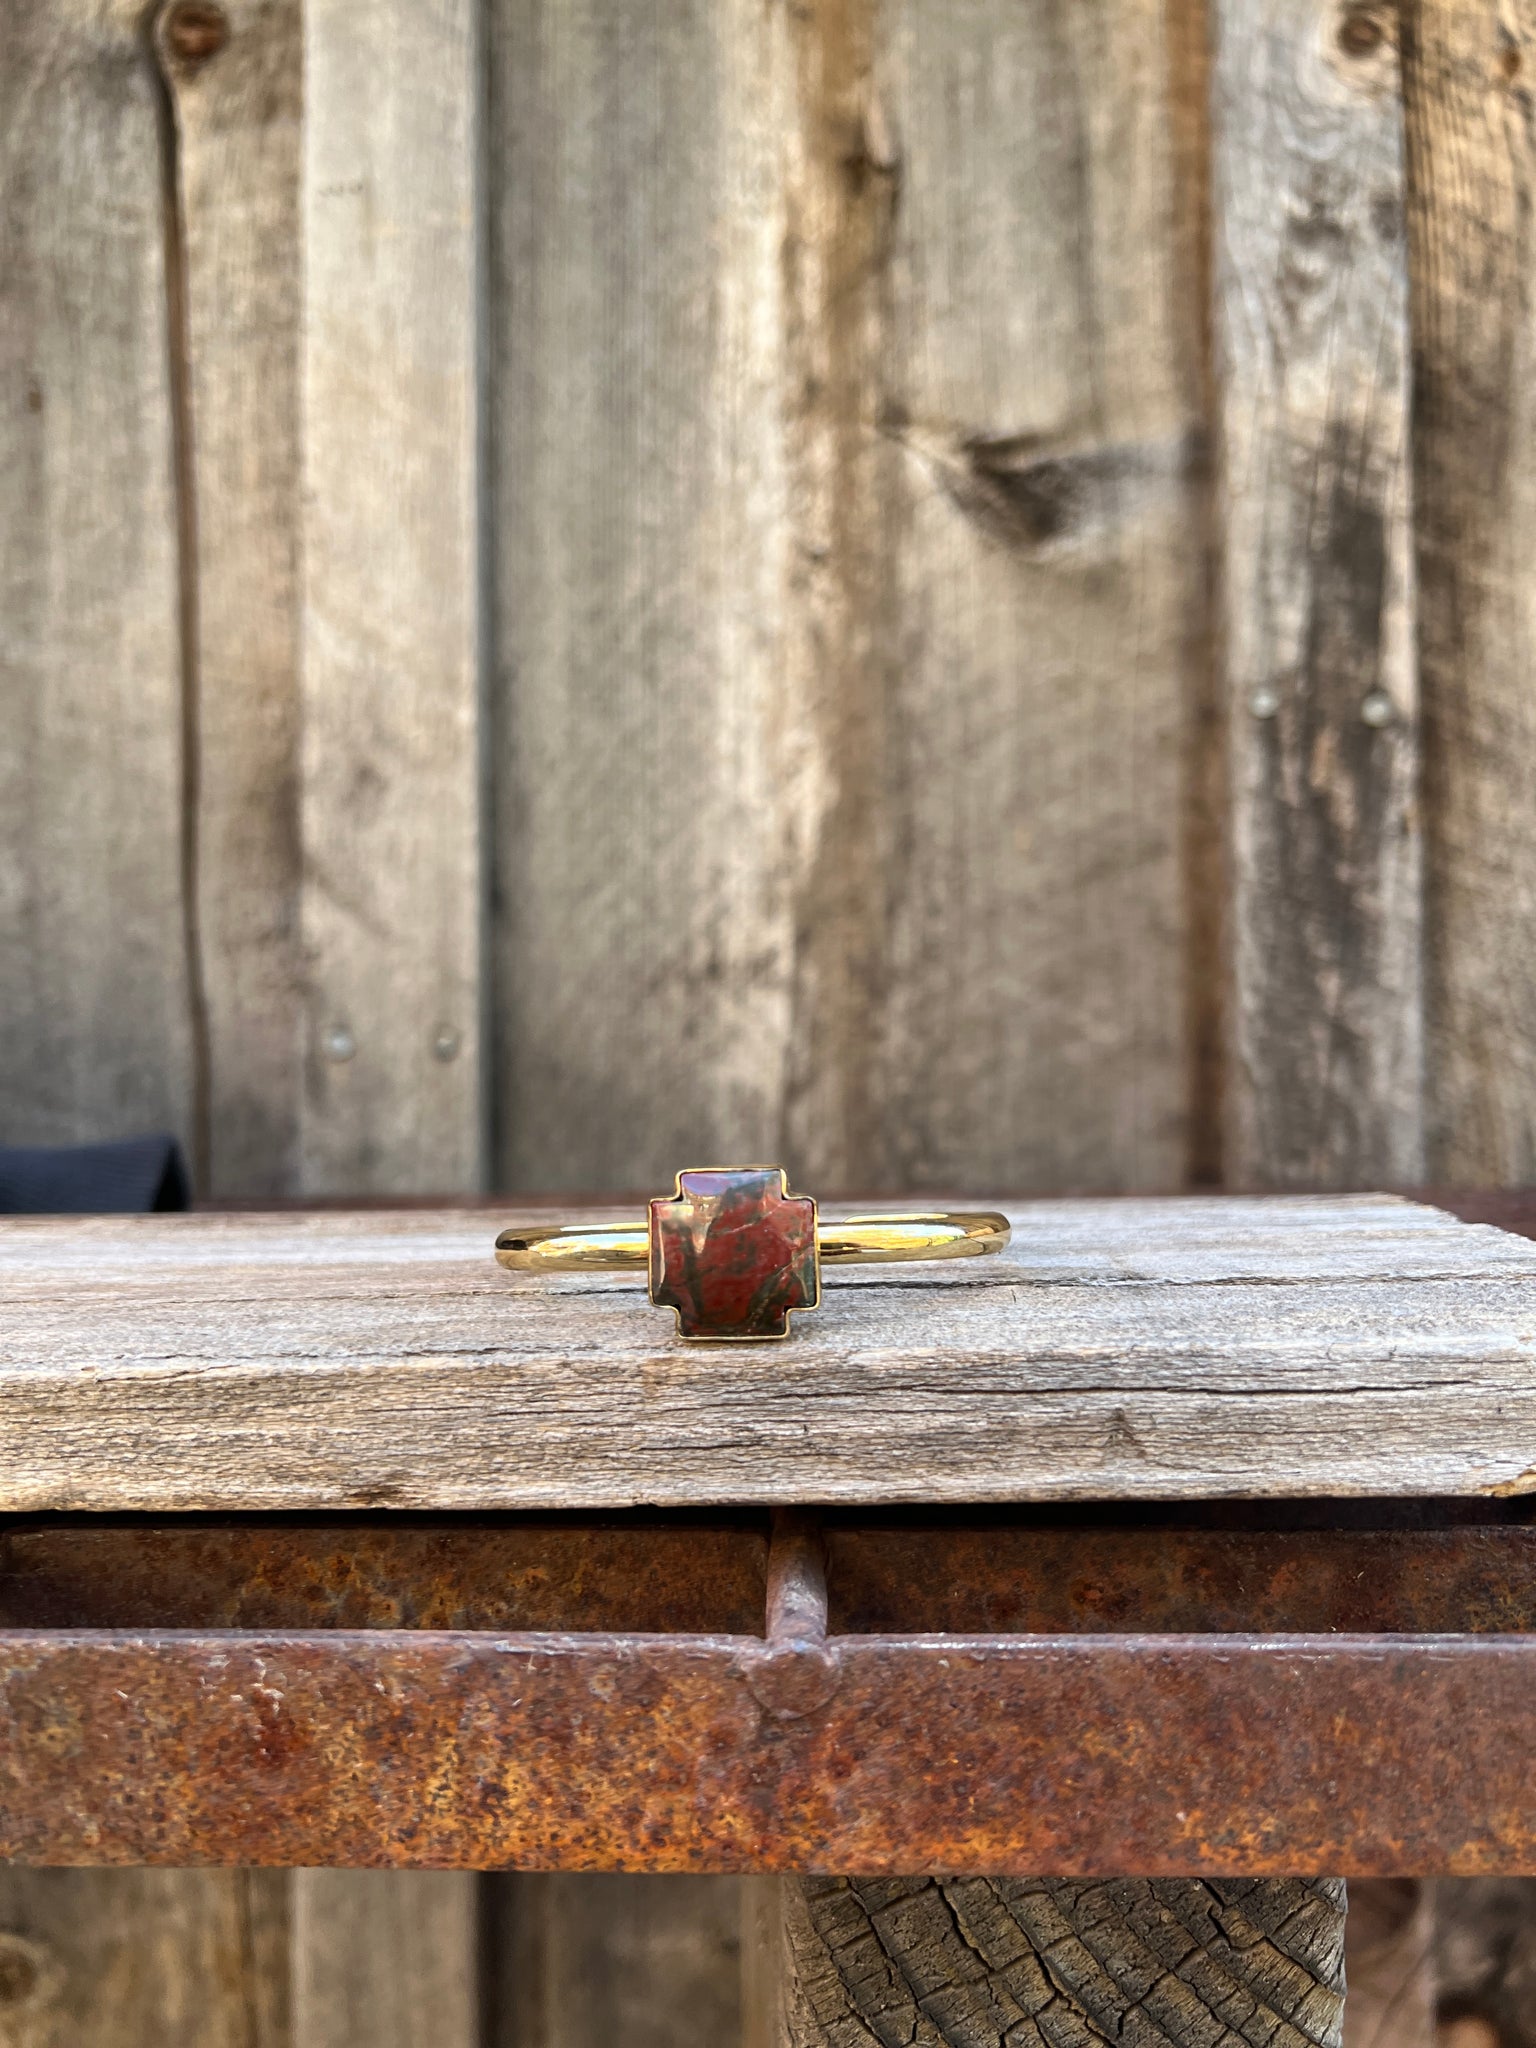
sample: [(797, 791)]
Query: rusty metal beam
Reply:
[(1212, 1755), (995, 1578), (689, 1574), (692, 1575)]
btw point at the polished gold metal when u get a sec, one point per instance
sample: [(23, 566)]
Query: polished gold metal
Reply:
[(849, 1241)]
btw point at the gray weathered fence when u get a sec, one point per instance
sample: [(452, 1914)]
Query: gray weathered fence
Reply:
[(935, 589)]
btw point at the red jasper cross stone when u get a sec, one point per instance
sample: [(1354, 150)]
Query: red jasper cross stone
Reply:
[(733, 1252)]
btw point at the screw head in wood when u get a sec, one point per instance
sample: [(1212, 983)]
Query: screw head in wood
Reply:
[(445, 1045), (1376, 709), (196, 30), (1265, 701), (339, 1043)]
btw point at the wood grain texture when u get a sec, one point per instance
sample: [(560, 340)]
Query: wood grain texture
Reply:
[(1022, 1963), (1389, 1957), (143, 1959), (1471, 141), (649, 773), (1325, 1082), (1146, 1349), (391, 898), (1485, 1961), (762, 1961), (237, 114), (385, 1959), (95, 1027), (843, 594), (992, 974), (587, 1960)]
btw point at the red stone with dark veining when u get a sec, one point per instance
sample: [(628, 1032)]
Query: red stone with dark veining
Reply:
[(733, 1253)]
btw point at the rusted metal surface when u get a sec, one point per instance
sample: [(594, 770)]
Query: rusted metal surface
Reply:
[(1153, 1755), (690, 1575), (993, 1578), (702, 1576), (438, 1736)]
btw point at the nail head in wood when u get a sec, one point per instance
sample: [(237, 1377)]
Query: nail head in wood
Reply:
[(195, 30)]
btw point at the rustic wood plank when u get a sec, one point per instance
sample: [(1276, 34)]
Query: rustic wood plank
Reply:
[(909, 600), (385, 1959), (1485, 1961), (1297, 1347), (1472, 165), (1389, 1944), (583, 1960), (143, 1958), (236, 88), (1312, 353), (96, 1029), (762, 1971), (992, 977), (391, 898), (649, 776)]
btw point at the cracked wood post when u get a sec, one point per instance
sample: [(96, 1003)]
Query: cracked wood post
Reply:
[(1011, 1962)]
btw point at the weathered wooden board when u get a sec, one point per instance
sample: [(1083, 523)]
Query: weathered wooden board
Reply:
[(236, 87), (1325, 1082), (992, 982), (651, 785), (582, 1960), (96, 1024), (1389, 1942), (385, 1959), (1147, 1349), (1484, 1961), (1472, 177), (390, 686), (844, 600), (120, 1958)]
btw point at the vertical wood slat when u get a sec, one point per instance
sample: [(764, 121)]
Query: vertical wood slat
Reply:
[(385, 1959), (650, 781), (1389, 1964), (845, 610), (144, 1959), (1471, 142), (391, 896), (1485, 1961), (236, 94), (997, 996), (1312, 352), (585, 1960), (96, 1033)]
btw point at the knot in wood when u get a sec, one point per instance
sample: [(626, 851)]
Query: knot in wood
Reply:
[(29, 1974)]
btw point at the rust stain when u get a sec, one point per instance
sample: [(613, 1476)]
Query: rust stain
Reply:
[(970, 1580), (1081, 1699), (427, 1572), (1095, 1755)]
